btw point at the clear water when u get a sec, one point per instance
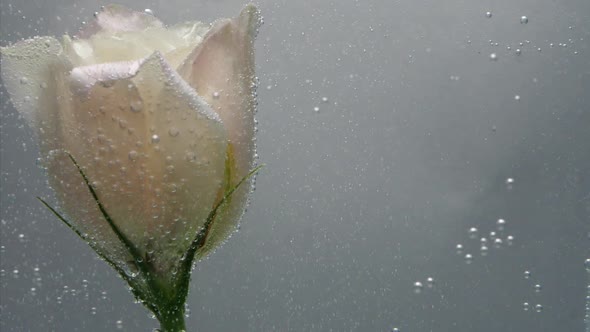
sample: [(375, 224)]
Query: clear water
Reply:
[(393, 132)]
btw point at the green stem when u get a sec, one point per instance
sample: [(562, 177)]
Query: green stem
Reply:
[(172, 320)]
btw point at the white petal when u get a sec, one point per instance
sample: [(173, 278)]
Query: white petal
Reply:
[(117, 18), (155, 149), (221, 69), (27, 74)]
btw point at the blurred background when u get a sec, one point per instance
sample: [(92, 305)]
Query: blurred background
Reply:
[(389, 129)]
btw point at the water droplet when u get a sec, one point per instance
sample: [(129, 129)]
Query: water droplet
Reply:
[(527, 274), (489, 14), (136, 106), (24, 80), (483, 240), (155, 139), (148, 11), (43, 85), (538, 308), (216, 95), (133, 155), (418, 287), (191, 157), (316, 109), (493, 56), (524, 20), (173, 132)]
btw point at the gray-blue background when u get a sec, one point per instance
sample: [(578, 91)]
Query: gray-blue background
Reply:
[(370, 194)]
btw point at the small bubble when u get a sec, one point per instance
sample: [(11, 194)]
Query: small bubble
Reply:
[(483, 240), (136, 106), (489, 14), (430, 282), (518, 51), (24, 80), (501, 223), (459, 248), (155, 139), (538, 288), (538, 308), (216, 95), (472, 232), (119, 324), (325, 100), (492, 235), (524, 20), (510, 180), (587, 264), (484, 250), (316, 109), (148, 11), (527, 274), (498, 243), (526, 306), (468, 258), (509, 239), (517, 97), (395, 329), (133, 155), (493, 56), (418, 287), (173, 132)]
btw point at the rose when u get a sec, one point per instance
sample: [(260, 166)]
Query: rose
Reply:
[(148, 133)]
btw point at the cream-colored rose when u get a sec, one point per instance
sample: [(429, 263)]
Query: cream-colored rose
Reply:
[(161, 120)]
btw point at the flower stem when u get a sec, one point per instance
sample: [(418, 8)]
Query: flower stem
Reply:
[(172, 321)]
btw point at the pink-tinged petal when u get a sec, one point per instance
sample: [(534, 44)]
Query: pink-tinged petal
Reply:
[(117, 18), (155, 150), (27, 74), (221, 69)]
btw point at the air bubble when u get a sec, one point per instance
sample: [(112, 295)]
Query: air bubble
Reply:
[(136, 106), (155, 139), (538, 288), (517, 97), (133, 155), (418, 287), (587, 264), (24, 80), (527, 274), (524, 20), (173, 132), (526, 306), (538, 308), (430, 282), (518, 51), (473, 232), (216, 95), (494, 57), (316, 109), (489, 14), (148, 11), (325, 100)]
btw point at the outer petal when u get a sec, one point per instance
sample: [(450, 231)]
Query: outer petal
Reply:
[(221, 69), (27, 68), (154, 150), (117, 18)]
